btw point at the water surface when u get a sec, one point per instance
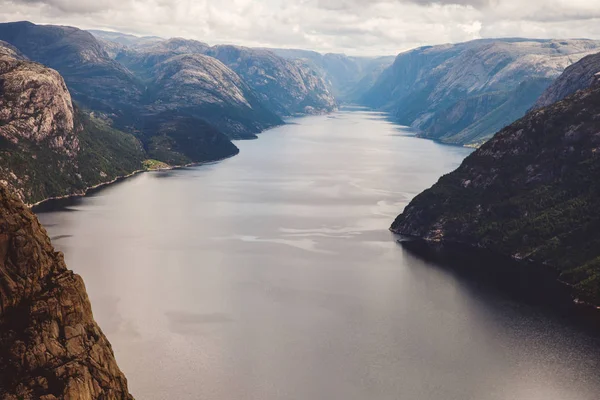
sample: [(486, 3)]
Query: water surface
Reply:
[(272, 276)]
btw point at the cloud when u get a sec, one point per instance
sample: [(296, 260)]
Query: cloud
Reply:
[(351, 26)]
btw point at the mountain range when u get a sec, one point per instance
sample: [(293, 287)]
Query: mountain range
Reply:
[(79, 109), (464, 93)]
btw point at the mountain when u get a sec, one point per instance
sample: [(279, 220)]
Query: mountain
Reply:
[(286, 87), (289, 87), (349, 77), (464, 93), (50, 345), (531, 192), (124, 39), (48, 147), (94, 79), (200, 86), (576, 77)]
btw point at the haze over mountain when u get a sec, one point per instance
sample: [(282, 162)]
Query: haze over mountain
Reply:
[(287, 87), (466, 92)]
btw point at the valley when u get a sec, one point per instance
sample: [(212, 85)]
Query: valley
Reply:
[(268, 269), (272, 275)]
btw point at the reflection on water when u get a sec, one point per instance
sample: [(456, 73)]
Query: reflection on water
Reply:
[(272, 275)]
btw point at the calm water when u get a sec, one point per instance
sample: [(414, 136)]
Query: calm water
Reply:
[(272, 276)]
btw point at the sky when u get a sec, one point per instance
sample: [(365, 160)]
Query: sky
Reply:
[(354, 27)]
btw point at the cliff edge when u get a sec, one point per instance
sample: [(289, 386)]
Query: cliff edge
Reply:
[(50, 345)]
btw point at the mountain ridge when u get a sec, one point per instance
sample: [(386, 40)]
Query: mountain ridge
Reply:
[(425, 87)]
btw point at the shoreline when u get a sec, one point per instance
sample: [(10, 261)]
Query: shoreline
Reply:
[(120, 178), (575, 299)]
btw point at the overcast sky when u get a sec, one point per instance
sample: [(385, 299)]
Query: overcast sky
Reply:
[(358, 27)]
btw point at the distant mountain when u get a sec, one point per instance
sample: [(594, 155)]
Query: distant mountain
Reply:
[(289, 87), (202, 86), (349, 77), (531, 192), (125, 39), (286, 87), (578, 76), (463, 93)]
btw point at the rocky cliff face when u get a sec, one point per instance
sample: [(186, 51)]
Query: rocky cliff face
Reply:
[(50, 345), (576, 77), (286, 87), (94, 79), (464, 93), (28, 88), (49, 148), (532, 192)]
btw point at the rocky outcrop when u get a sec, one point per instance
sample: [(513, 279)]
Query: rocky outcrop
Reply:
[(35, 105), (50, 345), (576, 77), (464, 93), (531, 192), (49, 148), (94, 79)]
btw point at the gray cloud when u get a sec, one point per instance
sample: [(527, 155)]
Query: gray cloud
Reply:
[(351, 26)]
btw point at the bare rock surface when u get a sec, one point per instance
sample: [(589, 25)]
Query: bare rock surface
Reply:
[(50, 345)]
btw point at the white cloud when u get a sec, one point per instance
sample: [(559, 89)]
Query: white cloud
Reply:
[(351, 26)]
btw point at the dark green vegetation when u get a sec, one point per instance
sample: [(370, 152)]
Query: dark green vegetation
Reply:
[(37, 172), (181, 140), (531, 192)]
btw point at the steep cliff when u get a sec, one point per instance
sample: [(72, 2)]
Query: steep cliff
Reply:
[(94, 79), (349, 77), (464, 93), (576, 77), (531, 192), (50, 345), (48, 147)]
